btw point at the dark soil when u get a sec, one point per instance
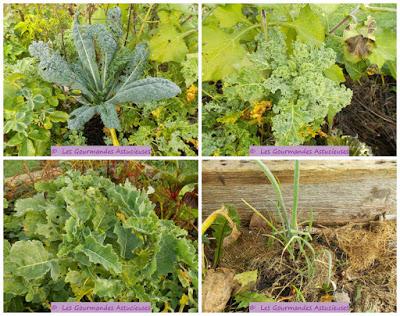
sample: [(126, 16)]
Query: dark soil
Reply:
[(93, 131), (371, 116)]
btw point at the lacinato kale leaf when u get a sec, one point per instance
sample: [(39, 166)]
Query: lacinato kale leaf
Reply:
[(105, 73)]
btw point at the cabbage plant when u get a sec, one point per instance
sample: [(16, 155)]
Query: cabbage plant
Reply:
[(105, 72)]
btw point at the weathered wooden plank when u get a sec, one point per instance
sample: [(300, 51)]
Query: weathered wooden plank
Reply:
[(336, 191)]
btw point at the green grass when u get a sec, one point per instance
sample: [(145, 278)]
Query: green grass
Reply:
[(16, 167)]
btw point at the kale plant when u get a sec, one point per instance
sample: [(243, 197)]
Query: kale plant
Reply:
[(106, 73), (297, 79), (84, 238)]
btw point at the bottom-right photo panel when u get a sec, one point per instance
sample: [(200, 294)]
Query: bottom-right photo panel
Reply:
[(281, 234)]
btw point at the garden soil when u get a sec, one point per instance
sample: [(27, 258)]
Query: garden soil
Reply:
[(361, 257), (371, 116)]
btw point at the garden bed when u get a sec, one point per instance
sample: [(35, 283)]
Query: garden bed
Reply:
[(137, 85), (309, 231), (78, 231)]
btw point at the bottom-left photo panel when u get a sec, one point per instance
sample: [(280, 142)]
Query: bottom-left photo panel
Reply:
[(81, 232)]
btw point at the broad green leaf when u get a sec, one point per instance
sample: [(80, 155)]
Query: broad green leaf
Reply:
[(127, 241), (166, 256), (385, 49), (17, 139), (186, 252), (309, 26), (392, 68), (247, 280), (335, 73), (27, 148), (168, 45), (59, 116), (356, 71), (229, 15), (78, 204), (31, 259), (35, 204), (327, 8), (222, 53), (98, 253), (39, 134), (107, 288)]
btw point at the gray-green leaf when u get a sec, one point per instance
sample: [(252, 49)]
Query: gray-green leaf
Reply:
[(146, 90), (98, 253), (30, 258)]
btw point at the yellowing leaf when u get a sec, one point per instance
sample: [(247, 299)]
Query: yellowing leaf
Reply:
[(230, 118), (167, 45), (229, 15), (309, 26), (246, 281), (259, 109), (385, 49), (222, 52)]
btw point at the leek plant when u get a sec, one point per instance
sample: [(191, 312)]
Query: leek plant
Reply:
[(294, 240)]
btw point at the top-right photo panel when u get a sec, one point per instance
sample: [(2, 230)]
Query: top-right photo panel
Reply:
[(290, 78)]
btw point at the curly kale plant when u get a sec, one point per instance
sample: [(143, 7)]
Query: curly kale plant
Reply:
[(105, 73), (289, 85), (303, 94), (83, 238)]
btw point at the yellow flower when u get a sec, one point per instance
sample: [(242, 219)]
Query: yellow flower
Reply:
[(191, 93), (157, 112), (121, 216), (259, 109)]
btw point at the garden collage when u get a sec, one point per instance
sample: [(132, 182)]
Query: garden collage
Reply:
[(206, 157)]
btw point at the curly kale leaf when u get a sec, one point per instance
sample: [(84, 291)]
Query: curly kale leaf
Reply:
[(105, 73), (304, 95)]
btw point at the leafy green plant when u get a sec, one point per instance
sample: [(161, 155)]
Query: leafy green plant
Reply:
[(224, 223), (108, 80), (285, 65), (289, 234), (83, 238), (243, 299), (30, 111), (364, 38), (169, 126), (298, 85)]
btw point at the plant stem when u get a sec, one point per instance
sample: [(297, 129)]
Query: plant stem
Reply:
[(281, 203), (264, 24), (345, 20), (296, 185), (144, 21), (367, 7), (246, 30), (114, 138), (129, 23)]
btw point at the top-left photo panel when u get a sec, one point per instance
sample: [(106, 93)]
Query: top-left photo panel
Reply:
[(100, 79)]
